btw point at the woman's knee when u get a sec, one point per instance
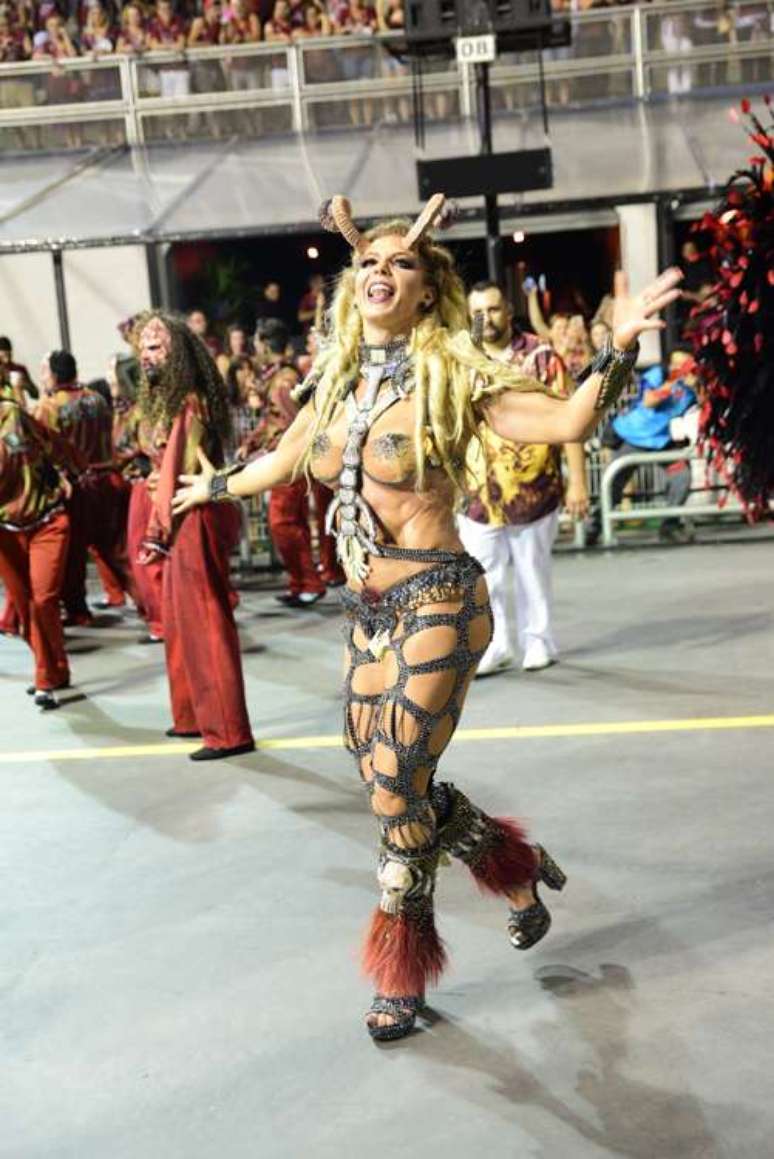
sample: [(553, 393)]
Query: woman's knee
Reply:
[(387, 804)]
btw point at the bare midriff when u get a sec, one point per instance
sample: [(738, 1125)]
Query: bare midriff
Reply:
[(422, 520)]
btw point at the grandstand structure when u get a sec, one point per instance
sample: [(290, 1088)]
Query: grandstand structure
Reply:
[(94, 186)]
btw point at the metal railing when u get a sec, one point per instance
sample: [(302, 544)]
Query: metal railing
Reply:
[(723, 502), (631, 53)]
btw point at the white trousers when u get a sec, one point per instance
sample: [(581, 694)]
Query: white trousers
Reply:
[(528, 548)]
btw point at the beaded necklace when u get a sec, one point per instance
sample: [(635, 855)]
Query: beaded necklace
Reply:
[(356, 530)]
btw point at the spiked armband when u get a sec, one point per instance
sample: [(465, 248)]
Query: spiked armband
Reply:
[(219, 491), (616, 368)]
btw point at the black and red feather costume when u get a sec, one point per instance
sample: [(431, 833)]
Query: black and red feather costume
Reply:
[(732, 331)]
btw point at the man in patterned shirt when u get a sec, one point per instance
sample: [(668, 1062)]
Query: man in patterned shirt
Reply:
[(511, 512), (37, 469), (97, 509)]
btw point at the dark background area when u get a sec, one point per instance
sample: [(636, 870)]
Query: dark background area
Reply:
[(225, 278)]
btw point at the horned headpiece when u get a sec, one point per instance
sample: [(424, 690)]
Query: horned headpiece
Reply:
[(336, 217)]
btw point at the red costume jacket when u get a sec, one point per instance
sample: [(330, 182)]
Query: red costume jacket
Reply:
[(32, 462), (173, 452), (279, 409), (83, 417)]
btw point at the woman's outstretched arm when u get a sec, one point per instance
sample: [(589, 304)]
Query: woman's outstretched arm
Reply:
[(279, 466), (538, 418)]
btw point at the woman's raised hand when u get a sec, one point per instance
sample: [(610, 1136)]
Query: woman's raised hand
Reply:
[(633, 316), (196, 488)]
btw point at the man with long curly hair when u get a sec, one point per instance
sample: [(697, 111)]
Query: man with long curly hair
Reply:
[(182, 400)]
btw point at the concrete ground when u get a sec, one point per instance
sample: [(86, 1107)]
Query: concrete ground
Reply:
[(179, 973)]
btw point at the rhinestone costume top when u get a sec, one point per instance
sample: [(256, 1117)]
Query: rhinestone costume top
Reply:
[(350, 518)]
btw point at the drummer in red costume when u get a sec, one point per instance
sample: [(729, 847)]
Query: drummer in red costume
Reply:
[(98, 504), (135, 454), (36, 470), (124, 453), (182, 397), (289, 502)]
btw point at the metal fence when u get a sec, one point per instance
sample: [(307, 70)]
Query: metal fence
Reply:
[(638, 52), (708, 497)]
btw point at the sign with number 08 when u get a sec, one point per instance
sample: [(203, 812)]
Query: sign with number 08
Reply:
[(476, 49)]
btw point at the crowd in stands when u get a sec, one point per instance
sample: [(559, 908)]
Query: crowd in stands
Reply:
[(57, 29)]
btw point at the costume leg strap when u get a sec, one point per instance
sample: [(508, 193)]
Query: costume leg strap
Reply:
[(403, 952), (495, 849)]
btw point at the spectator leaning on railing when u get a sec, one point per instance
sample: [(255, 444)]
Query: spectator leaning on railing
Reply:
[(280, 26), (98, 35), (167, 33), (54, 43), (208, 28), (315, 21), (15, 38), (241, 25), (646, 426), (133, 34)]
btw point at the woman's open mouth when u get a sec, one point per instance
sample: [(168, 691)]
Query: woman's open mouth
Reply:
[(380, 292)]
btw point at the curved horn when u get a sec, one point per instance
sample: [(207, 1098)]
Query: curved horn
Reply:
[(341, 212), (426, 220)]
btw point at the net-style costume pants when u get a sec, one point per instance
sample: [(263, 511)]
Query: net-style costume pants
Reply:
[(413, 651)]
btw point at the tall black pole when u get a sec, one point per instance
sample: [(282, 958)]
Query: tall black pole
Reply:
[(61, 300), (494, 245), (665, 227)]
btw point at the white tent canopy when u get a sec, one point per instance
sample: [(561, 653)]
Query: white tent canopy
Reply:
[(240, 187)]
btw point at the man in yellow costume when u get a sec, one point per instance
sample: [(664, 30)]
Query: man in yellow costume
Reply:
[(516, 490)]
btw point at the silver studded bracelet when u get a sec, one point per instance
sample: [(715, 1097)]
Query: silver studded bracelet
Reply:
[(219, 492), (616, 368)]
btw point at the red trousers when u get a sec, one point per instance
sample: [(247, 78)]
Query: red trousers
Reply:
[(98, 515), (204, 665), (32, 567), (9, 617), (148, 577), (111, 584), (330, 568), (289, 530)]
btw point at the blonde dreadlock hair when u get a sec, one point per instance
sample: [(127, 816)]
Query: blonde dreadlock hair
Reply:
[(451, 373)]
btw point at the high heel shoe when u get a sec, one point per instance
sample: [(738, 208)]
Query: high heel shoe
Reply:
[(526, 927), (403, 1010), (548, 871)]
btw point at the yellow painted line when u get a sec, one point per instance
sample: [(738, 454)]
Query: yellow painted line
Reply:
[(507, 732)]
